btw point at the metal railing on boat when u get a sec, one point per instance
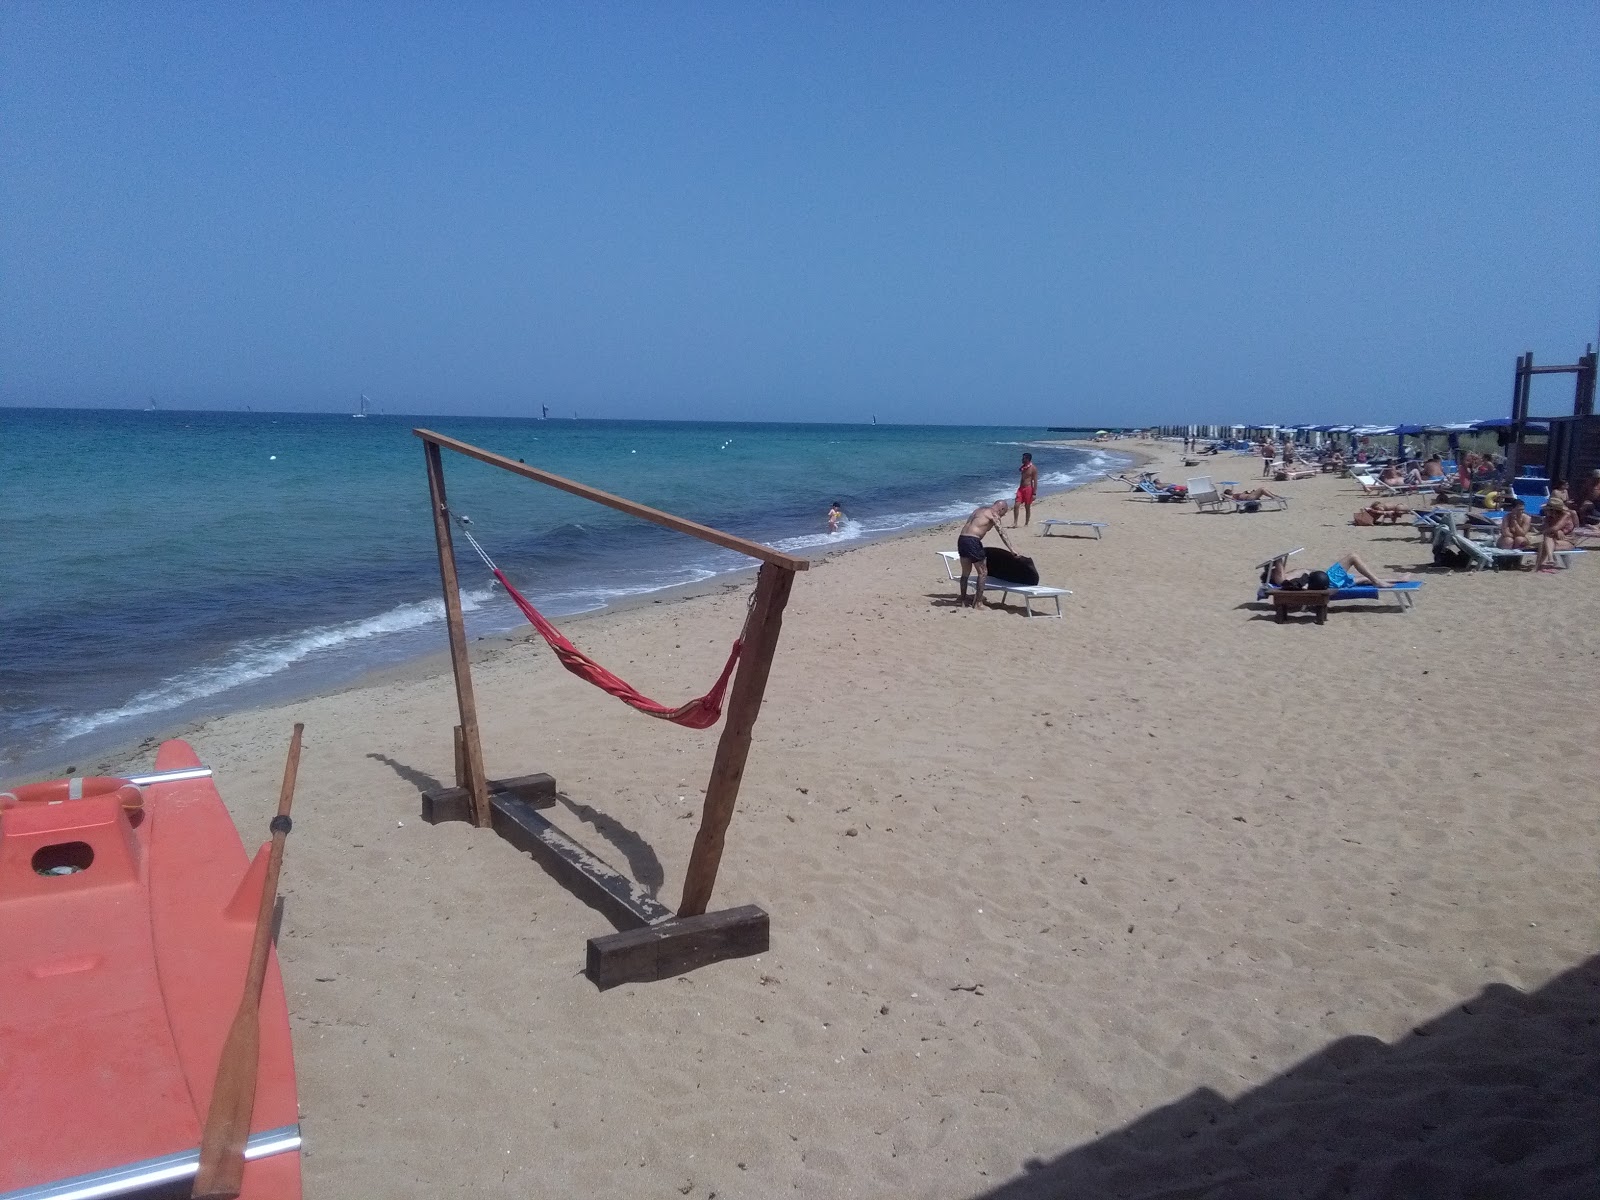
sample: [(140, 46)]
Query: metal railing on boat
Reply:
[(167, 777), (153, 1172)]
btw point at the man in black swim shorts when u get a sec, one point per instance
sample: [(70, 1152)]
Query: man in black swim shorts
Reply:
[(969, 545)]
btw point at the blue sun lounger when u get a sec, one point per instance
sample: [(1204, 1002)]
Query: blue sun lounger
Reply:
[(1345, 586)]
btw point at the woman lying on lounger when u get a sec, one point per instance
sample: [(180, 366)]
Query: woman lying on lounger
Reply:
[(1379, 513), (1249, 494), (1338, 575)]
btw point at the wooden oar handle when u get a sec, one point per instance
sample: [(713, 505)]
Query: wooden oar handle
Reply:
[(233, 1095)]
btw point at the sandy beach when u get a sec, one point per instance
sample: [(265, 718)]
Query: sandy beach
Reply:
[(1160, 899)]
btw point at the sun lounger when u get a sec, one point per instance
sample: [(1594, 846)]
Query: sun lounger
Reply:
[(1265, 504), (1097, 526), (1028, 592), (1283, 599)]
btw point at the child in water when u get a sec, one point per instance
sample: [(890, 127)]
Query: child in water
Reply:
[(835, 515)]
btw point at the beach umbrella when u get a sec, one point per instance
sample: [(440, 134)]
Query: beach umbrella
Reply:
[(1401, 433)]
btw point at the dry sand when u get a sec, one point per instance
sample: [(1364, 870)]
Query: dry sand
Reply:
[(1161, 899)]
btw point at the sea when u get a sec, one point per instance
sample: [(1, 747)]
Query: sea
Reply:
[(164, 566)]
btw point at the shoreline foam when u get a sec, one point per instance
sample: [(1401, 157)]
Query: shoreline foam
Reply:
[(49, 763)]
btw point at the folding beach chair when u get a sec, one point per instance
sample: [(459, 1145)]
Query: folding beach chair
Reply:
[(1134, 483), (1206, 496)]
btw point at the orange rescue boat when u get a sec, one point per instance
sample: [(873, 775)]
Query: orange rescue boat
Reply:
[(127, 911)]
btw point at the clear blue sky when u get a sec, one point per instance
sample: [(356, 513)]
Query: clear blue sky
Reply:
[(1040, 213)]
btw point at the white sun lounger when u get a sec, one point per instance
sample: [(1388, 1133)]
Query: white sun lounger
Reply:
[(1028, 592), (1097, 526)]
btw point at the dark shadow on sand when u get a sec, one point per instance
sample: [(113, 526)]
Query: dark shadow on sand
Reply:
[(420, 780), (1263, 611), (1496, 1098), (643, 865), (944, 600)]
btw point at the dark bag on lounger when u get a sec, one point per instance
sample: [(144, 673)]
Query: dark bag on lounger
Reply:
[(1013, 568)]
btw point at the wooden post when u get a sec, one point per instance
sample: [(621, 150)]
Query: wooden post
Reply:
[(744, 705), (474, 783)]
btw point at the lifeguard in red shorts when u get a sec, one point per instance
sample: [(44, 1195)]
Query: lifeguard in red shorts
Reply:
[(1026, 492)]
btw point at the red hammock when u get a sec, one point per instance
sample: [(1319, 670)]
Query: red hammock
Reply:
[(700, 713)]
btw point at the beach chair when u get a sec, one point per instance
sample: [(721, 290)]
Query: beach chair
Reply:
[(1371, 487), (1206, 497), (1096, 526), (1028, 592), (1480, 557), (1427, 523), (1134, 484), (1533, 491), (1160, 495)]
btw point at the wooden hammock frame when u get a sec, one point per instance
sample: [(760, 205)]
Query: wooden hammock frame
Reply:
[(653, 942)]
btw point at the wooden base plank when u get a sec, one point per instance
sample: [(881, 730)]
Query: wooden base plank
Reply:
[(598, 884), (1284, 601), (671, 947), (455, 803)]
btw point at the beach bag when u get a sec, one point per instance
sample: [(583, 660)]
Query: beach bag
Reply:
[(1450, 556), (1013, 568)]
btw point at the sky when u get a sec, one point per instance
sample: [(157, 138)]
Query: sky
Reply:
[(1000, 213)]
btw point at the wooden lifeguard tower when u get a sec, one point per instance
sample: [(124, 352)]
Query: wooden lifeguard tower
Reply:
[(653, 942)]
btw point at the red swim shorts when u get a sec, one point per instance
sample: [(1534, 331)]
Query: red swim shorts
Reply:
[(1024, 495)]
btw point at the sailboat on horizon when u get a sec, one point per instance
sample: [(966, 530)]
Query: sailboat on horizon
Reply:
[(361, 409), (150, 405)]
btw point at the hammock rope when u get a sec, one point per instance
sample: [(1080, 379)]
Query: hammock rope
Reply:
[(700, 713)]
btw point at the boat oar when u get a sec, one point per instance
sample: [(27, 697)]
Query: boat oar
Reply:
[(233, 1097)]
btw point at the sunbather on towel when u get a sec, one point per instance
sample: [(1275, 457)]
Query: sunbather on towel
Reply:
[(1336, 576), (1259, 493), (970, 545)]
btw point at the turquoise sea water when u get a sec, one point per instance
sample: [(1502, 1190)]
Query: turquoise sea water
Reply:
[(162, 566)]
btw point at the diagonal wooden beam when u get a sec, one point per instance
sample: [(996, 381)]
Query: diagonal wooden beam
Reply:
[(643, 511), (744, 705), (471, 745)]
